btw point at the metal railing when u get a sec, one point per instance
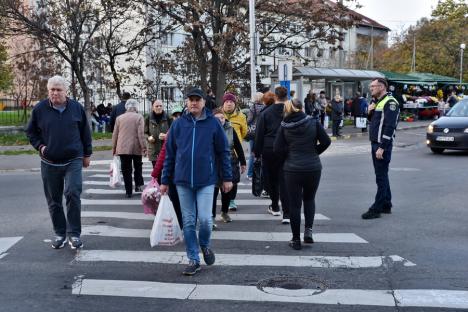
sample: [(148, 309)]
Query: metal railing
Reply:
[(13, 112)]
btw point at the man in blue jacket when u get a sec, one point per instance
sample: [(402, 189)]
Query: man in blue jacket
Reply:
[(59, 130), (118, 110), (195, 144)]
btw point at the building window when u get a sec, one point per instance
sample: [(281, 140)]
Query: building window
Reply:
[(265, 70), (309, 51), (166, 39), (332, 52), (167, 93), (320, 53)]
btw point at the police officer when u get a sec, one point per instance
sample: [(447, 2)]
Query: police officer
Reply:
[(383, 116)]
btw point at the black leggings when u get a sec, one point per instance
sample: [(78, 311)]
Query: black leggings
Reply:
[(225, 199), (274, 177), (301, 187)]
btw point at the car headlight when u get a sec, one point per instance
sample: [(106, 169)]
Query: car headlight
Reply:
[(466, 130), (430, 129)]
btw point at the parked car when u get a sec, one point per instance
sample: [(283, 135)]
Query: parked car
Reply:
[(450, 131)]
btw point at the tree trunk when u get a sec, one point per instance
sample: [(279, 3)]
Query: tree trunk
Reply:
[(115, 75), (220, 86)]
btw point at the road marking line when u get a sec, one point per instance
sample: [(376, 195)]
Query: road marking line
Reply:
[(122, 191), (145, 169), (148, 176), (132, 202), (175, 257), (6, 243), (105, 230), (141, 216), (430, 298), (108, 161)]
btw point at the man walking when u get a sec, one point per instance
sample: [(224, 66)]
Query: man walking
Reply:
[(196, 144), (118, 110), (383, 115), (59, 130)]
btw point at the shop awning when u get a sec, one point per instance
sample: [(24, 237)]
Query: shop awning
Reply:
[(332, 73), (398, 77), (433, 78)]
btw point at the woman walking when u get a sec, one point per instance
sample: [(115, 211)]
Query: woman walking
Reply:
[(237, 157), (300, 141), (128, 141)]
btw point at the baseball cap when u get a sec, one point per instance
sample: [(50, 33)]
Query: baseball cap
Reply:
[(196, 92)]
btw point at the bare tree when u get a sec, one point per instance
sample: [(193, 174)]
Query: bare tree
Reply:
[(219, 36), (67, 27)]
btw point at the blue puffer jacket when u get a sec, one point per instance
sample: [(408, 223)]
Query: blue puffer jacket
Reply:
[(192, 148)]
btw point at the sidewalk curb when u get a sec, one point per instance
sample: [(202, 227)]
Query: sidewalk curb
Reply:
[(357, 135)]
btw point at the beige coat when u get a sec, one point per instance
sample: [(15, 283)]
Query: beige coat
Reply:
[(128, 137)]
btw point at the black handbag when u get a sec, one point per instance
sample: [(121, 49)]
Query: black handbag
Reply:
[(235, 169), (257, 179)]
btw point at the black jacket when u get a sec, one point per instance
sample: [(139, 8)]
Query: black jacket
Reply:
[(268, 124), (300, 141), (117, 110), (66, 134)]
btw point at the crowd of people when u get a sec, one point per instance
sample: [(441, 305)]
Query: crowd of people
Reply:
[(197, 153)]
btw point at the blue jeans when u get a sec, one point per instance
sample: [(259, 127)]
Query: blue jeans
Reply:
[(383, 198), (196, 203), (251, 159), (59, 181)]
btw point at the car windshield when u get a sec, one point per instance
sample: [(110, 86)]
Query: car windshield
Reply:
[(459, 110)]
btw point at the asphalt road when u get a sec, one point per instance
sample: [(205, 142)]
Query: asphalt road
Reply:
[(421, 246)]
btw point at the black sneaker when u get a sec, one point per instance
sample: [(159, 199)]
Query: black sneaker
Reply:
[(387, 209), (139, 189), (308, 236), (295, 244), (208, 255), (192, 268), (75, 242), (59, 242), (370, 214)]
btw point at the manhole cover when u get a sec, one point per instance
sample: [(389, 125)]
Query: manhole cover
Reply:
[(292, 286)]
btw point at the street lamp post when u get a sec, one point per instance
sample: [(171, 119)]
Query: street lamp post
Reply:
[(462, 48), (253, 76)]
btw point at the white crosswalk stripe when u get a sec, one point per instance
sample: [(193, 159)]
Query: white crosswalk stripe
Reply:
[(179, 257), (432, 298), (141, 216), (6, 243), (104, 230), (122, 225), (122, 191)]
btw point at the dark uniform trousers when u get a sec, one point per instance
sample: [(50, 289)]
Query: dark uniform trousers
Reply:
[(383, 198)]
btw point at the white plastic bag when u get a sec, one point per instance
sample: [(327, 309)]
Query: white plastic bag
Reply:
[(115, 178), (166, 230), (361, 122), (325, 122)]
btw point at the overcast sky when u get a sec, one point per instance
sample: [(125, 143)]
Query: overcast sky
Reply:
[(397, 14)]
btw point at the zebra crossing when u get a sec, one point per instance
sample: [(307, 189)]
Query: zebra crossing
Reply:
[(107, 216)]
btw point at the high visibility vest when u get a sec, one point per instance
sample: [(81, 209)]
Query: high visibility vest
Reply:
[(380, 106)]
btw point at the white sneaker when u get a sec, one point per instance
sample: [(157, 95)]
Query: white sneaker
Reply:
[(274, 213), (286, 221)]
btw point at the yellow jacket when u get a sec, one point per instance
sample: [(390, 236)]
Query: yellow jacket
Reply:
[(238, 122)]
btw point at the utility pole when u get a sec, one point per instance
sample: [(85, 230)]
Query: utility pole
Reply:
[(413, 61), (253, 43), (340, 51), (462, 48), (372, 48)]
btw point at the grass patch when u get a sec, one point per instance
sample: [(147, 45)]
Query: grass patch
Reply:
[(21, 139), (19, 152), (14, 118), (13, 139), (102, 136)]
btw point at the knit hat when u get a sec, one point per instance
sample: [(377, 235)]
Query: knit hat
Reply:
[(229, 97)]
